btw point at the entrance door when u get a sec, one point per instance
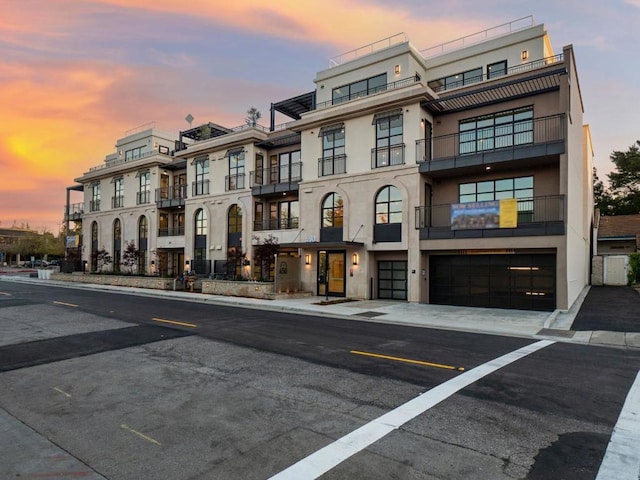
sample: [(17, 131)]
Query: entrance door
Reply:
[(331, 273)]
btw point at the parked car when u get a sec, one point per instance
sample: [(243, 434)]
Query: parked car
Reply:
[(35, 264)]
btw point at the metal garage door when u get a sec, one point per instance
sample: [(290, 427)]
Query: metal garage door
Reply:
[(392, 280), (521, 281)]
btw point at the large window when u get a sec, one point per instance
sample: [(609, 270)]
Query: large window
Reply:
[(201, 185), (333, 158), (118, 193), (144, 189), (133, 154), (520, 187), (199, 263), (389, 147), (117, 244), (497, 69), (289, 166), (456, 80), (388, 206), (94, 204), (234, 219), (361, 88), (332, 211), (143, 236), (236, 170), (94, 246), (201, 222), (498, 130), (288, 214)]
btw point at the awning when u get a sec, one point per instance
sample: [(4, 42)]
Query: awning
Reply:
[(234, 151), (331, 128), (321, 245), (296, 106), (387, 114), (200, 158)]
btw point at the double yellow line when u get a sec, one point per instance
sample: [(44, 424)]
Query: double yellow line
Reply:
[(407, 360)]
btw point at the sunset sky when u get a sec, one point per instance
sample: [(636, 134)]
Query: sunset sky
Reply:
[(75, 75)]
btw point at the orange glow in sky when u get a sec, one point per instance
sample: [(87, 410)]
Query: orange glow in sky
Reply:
[(77, 75)]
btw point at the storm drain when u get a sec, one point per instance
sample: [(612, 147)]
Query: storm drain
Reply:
[(369, 314), (550, 332)]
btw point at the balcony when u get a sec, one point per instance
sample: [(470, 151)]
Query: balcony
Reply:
[(117, 201), (536, 216), (94, 205), (276, 224), (234, 182), (276, 180), (171, 232), (332, 165), (74, 212), (540, 143), (387, 156), (200, 188), (171, 197), (143, 197)]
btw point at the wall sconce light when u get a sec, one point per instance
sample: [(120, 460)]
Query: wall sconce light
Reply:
[(524, 55), (307, 259), (397, 69), (355, 259)]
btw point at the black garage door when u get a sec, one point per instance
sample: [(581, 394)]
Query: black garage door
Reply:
[(521, 281)]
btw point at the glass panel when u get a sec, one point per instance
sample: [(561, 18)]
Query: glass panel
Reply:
[(485, 186), (467, 188), (504, 184), (524, 182)]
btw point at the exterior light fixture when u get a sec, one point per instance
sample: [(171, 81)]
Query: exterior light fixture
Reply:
[(524, 55), (397, 69), (355, 259), (307, 259)]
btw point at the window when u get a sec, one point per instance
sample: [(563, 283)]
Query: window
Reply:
[(333, 159), (144, 189), (201, 222), (289, 167), (389, 147), (133, 154), (234, 220), (143, 235), (94, 246), (498, 130), (236, 170), (361, 88), (94, 204), (118, 193), (520, 188), (117, 244), (201, 185), (497, 69), (389, 206), (457, 80), (332, 211), (288, 214)]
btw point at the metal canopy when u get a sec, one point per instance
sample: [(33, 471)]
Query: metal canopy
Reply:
[(296, 106), (202, 132), (321, 245), (283, 141), (499, 92)]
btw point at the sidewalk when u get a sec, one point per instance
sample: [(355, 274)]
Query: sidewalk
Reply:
[(517, 323)]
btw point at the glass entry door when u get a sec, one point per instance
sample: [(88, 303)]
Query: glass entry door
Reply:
[(331, 273)]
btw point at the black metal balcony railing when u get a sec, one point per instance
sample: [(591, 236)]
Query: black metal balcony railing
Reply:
[(94, 205), (171, 232), (200, 188), (287, 173), (530, 210), (332, 165), (117, 201), (234, 182), (387, 156), (143, 197), (276, 224), (406, 82), (74, 210), (174, 192), (529, 132), (439, 85)]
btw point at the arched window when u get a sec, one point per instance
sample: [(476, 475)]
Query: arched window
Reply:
[(199, 263), (234, 219), (388, 206), (94, 246), (332, 211), (143, 235), (117, 244), (201, 222)]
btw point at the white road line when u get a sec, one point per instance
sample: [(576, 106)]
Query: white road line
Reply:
[(622, 458), (325, 459)]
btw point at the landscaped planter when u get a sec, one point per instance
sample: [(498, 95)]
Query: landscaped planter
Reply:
[(239, 289), (118, 280)]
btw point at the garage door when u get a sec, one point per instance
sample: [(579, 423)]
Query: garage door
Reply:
[(522, 281), (392, 280)]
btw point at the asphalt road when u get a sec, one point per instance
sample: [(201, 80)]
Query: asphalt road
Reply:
[(127, 387)]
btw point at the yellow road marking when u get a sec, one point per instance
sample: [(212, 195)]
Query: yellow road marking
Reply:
[(141, 435), (407, 360), (67, 304), (173, 322), (5, 293), (68, 395)]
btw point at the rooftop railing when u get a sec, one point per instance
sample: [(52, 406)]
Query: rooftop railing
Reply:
[(120, 161), (479, 37), (367, 49)]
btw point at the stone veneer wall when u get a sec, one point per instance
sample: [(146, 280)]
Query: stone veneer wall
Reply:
[(119, 280), (239, 289)]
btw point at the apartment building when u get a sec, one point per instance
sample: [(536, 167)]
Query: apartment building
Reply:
[(459, 175)]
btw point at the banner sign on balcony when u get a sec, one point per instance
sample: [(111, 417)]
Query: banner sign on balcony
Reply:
[(482, 215), (71, 241)]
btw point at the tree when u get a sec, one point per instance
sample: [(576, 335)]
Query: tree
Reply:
[(253, 115), (264, 257), (102, 259), (130, 256), (624, 183)]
